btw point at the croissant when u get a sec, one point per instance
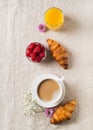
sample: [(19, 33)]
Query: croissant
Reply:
[(63, 113), (59, 53)]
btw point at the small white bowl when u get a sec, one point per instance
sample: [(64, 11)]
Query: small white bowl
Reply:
[(36, 83), (29, 58)]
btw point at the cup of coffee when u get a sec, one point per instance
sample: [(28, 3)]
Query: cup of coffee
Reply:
[(48, 90)]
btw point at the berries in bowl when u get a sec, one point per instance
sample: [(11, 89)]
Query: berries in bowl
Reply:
[(36, 52)]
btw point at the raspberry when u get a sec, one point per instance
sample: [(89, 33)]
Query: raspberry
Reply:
[(42, 54), (29, 49), (27, 53), (38, 59), (37, 49), (43, 48), (32, 46), (33, 56)]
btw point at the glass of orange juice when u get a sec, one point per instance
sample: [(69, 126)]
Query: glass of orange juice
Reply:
[(54, 18)]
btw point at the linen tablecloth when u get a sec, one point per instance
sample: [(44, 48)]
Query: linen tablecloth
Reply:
[(19, 21)]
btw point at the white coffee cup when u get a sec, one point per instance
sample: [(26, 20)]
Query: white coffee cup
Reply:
[(35, 86)]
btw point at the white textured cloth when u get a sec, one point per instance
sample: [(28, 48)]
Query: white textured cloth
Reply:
[(18, 27)]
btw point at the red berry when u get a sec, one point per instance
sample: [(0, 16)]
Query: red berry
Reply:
[(43, 48), (29, 49), (33, 56), (32, 46), (39, 45), (42, 54), (27, 53), (37, 49), (38, 59)]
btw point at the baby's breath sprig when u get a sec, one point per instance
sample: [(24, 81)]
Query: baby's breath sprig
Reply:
[(30, 105)]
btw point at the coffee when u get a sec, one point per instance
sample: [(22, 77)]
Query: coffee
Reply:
[(48, 90)]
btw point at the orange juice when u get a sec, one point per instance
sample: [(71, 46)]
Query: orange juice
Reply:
[(54, 18)]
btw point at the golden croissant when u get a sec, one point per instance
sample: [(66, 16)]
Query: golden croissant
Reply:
[(63, 112), (59, 53)]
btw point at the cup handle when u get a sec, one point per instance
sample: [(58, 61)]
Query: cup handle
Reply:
[(62, 79)]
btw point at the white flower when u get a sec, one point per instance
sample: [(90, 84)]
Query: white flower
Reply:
[(30, 106)]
